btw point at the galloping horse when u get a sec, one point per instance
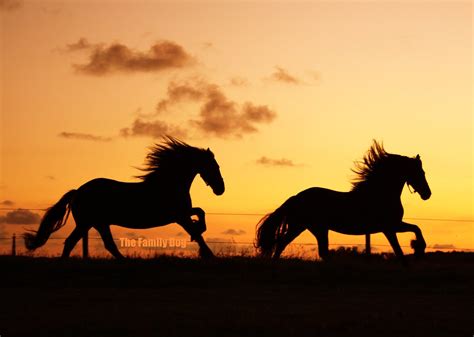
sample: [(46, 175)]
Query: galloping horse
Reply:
[(372, 206), (161, 198)]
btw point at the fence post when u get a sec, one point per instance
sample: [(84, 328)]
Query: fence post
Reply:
[(367, 244), (85, 246), (14, 245)]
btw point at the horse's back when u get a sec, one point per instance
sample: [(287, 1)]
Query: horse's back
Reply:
[(343, 212)]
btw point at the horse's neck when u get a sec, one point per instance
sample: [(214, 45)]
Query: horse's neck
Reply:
[(391, 188), (177, 180)]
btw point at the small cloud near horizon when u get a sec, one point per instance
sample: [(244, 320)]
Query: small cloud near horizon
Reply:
[(7, 203), (443, 246), (20, 217), (283, 162), (84, 136), (119, 58), (232, 231)]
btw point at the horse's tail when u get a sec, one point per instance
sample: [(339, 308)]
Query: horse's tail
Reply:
[(271, 228), (54, 218)]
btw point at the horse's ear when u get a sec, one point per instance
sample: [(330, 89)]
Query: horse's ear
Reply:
[(418, 157)]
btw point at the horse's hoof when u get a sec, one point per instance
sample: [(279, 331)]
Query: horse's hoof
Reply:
[(207, 255), (418, 247)]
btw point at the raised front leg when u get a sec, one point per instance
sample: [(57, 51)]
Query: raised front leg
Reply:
[(200, 224), (419, 245), (204, 250)]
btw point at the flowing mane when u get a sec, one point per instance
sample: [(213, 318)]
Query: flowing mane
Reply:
[(374, 164), (173, 154)]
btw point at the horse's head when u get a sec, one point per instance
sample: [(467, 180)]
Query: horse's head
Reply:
[(210, 173), (416, 178)]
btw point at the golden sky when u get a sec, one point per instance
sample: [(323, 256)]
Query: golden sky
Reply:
[(287, 95)]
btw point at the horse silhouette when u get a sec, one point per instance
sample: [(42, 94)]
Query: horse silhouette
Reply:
[(372, 206), (162, 197)]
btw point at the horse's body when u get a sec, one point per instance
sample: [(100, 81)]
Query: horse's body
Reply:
[(131, 205), (372, 206), (161, 198)]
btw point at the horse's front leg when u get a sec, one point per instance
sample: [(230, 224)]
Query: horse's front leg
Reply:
[(393, 240), (204, 250), (418, 245), (200, 224)]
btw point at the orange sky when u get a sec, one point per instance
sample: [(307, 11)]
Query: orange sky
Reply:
[(335, 75)]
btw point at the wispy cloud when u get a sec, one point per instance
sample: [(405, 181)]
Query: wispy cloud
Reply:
[(154, 129), (443, 246), (117, 57), (283, 162), (84, 136), (81, 44), (232, 231), (10, 5), (20, 217), (238, 81), (282, 75), (7, 203)]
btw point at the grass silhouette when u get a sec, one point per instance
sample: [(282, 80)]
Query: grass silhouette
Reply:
[(238, 296)]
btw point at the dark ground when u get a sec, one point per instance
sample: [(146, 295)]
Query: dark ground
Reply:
[(238, 296)]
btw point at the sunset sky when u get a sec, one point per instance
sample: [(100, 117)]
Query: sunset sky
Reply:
[(287, 95)]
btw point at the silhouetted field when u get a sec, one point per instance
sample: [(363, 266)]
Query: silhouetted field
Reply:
[(238, 296)]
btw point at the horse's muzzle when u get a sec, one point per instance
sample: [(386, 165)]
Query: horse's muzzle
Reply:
[(219, 190)]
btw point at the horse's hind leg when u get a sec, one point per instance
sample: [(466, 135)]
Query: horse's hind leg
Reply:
[(72, 240), (109, 243), (293, 231)]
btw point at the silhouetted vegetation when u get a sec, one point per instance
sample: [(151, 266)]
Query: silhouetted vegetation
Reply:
[(352, 295)]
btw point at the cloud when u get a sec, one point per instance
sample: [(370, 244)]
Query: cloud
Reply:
[(154, 129), (232, 231), (217, 114), (84, 136), (81, 44), (9, 5), (134, 236), (207, 45), (116, 57), (7, 203), (239, 81), (20, 217), (222, 117), (283, 162), (282, 75), (178, 92), (443, 246)]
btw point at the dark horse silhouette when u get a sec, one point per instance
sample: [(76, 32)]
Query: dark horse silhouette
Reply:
[(372, 206), (162, 197)]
